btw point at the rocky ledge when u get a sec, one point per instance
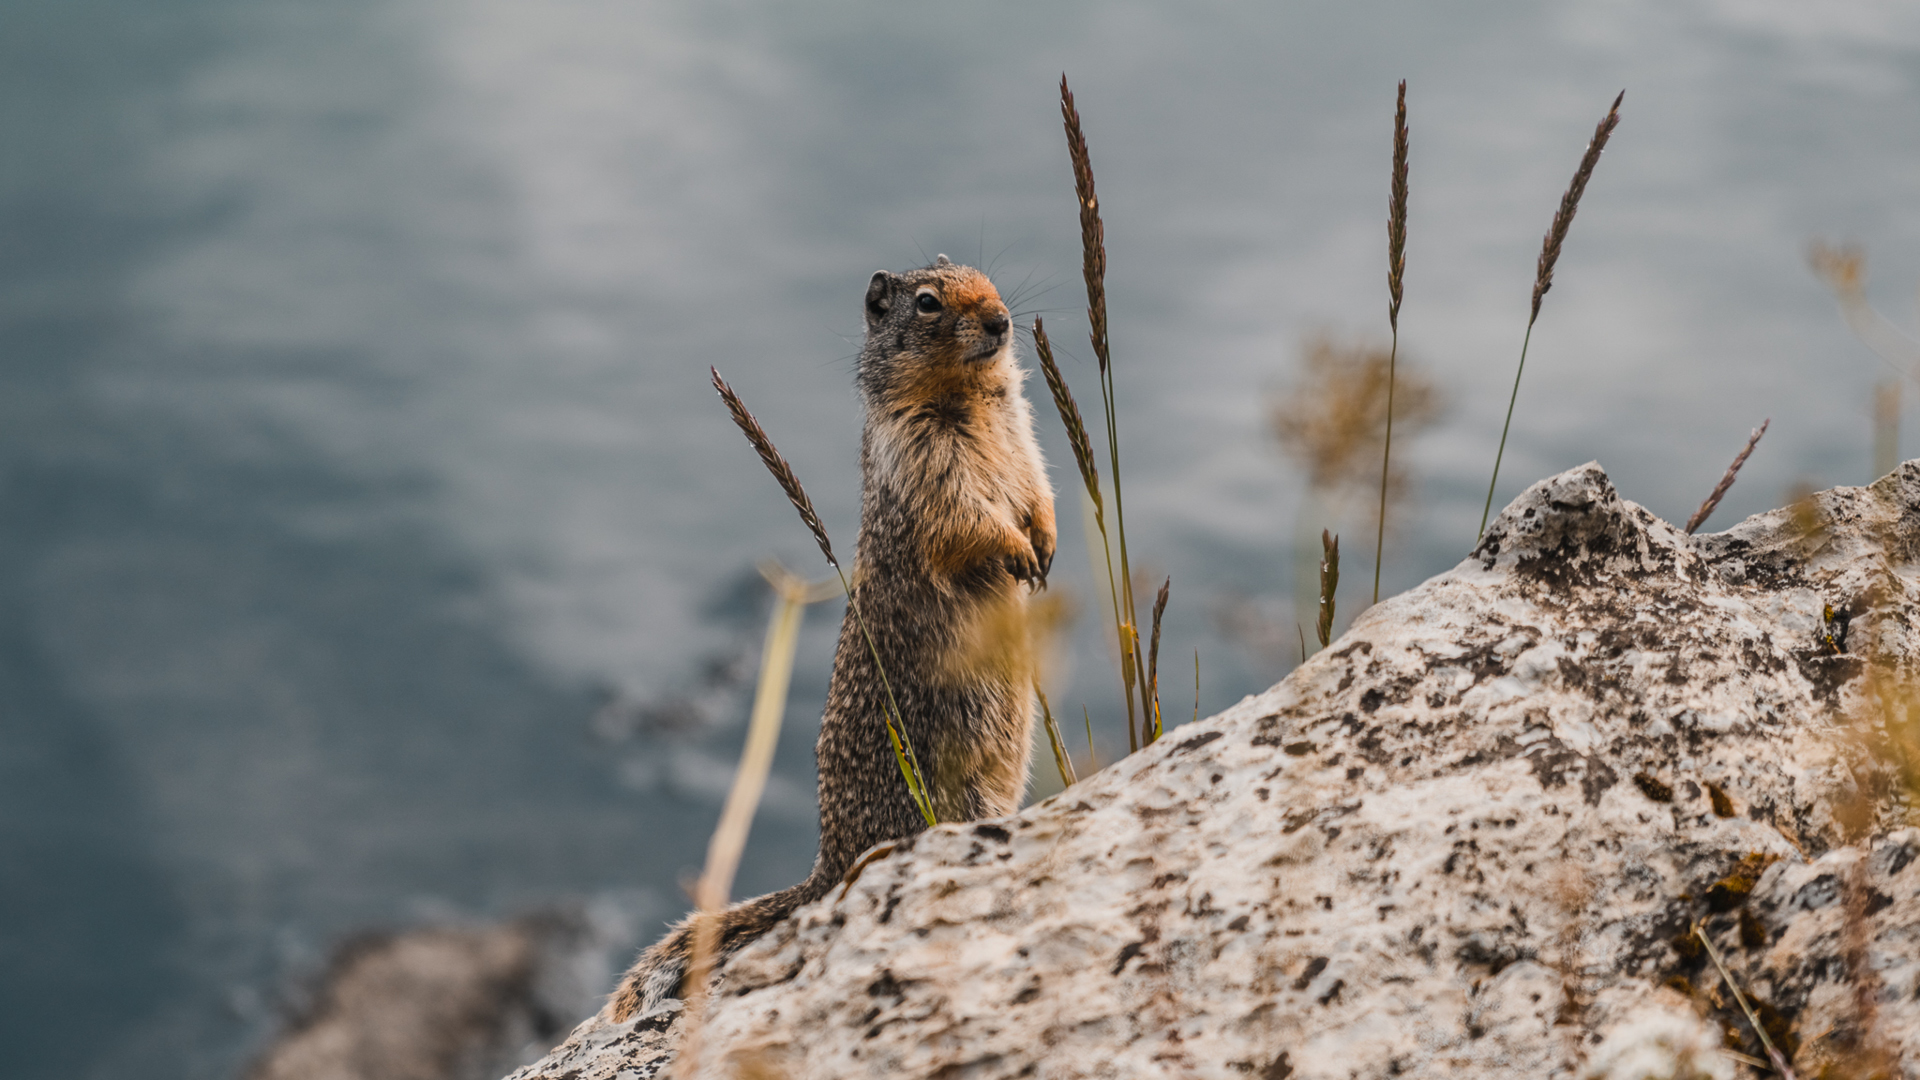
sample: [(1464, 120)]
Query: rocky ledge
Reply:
[(1470, 838)]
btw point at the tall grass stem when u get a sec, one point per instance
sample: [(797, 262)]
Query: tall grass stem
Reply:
[(1543, 273), (1396, 270), (1093, 265)]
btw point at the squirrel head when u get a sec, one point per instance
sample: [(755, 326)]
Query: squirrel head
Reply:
[(941, 328)]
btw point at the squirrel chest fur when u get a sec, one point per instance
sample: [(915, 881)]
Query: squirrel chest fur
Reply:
[(956, 530)]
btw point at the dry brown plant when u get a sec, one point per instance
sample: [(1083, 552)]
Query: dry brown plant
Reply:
[(1844, 270), (1333, 420)]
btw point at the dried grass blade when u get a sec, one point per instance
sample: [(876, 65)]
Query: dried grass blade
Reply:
[(1720, 489), (791, 595), (1779, 1063)]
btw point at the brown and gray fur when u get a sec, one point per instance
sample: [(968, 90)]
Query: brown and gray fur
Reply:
[(956, 529)]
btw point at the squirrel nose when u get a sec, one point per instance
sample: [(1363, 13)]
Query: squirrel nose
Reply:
[(995, 324)]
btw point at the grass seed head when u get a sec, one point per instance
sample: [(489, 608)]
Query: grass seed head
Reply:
[(1093, 235), (1570, 202), (776, 464), (1069, 415), (1397, 210)]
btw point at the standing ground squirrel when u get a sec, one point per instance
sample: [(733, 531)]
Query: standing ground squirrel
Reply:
[(956, 529)]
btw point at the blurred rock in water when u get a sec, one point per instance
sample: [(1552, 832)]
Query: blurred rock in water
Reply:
[(444, 1003)]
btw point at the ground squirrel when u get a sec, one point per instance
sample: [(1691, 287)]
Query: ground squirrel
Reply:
[(956, 529)]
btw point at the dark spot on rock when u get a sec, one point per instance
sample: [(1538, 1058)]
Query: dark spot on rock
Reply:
[(1299, 749), (1268, 731), (1898, 858), (1333, 992), (1823, 891), (1652, 788), (992, 832), (886, 986), (1197, 741), (1127, 952), (1262, 792), (1280, 1069), (1355, 772), (1752, 934), (1314, 967), (1778, 1028), (1372, 700), (1027, 994), (1722, 806), (1238, 924)]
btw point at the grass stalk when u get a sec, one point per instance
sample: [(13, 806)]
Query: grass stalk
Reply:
[(1061, 759), (1720, 489), (1543, 275), (790, 483), (1396, 269), (791, 596), (1329, 581), (1093, 267), (1196, 684)]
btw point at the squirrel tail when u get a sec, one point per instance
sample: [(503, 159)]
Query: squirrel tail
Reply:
[(661, 971)]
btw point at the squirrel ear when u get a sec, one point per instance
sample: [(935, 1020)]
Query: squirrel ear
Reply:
[(942, 260), (879, 295)]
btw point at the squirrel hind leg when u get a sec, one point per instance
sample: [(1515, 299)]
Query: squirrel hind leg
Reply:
[(661, 971), (657, 976)]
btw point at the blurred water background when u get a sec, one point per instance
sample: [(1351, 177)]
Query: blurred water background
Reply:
[(374, 552)]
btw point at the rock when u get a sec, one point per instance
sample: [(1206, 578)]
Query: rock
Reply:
[(439, 1003), (1470, 838)]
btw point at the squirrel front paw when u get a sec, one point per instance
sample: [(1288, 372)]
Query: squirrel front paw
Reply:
[(1032, 557), (1042, 540), (1025, 566)]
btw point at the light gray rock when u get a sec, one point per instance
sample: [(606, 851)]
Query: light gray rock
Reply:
[(1469, 838)]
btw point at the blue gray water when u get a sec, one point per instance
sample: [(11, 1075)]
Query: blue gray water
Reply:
[(373, 551)]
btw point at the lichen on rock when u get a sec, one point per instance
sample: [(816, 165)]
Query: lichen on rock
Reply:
[(1472, 837)]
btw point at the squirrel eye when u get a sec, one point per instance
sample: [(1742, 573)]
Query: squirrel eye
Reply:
[(927, 302)]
